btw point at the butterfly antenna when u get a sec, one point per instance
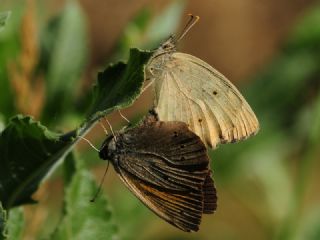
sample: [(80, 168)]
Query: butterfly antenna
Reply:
[(126, 119), (192, 21), (115, 138), (83, 138), (103, 127), (100, 185), (147, 86)]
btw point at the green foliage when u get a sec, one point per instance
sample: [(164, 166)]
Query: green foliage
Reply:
[(69, 50), (310, 227), (3, 220), (63, 58), (147, 31), (9, 47), (15, 225), (83, 219), (119, 85), (288, 80), (28, 151), (11, 228), (307, 33), (165, 24), (4, 16), (257, 172)]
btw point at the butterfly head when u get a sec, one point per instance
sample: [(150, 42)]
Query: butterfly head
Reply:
[(171, 43), (167, 46), (108, 148)]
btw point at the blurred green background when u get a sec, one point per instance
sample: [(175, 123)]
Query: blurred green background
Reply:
[(51, 51)]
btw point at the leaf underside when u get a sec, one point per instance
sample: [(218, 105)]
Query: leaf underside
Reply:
[(119, 85), (28, 151)]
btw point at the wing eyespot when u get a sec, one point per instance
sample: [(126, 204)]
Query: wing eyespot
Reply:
[(166, 46), (215, 93), (199, 120), (182, 146)]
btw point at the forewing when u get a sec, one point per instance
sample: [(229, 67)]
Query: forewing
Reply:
[(166, 166), (191, 91)]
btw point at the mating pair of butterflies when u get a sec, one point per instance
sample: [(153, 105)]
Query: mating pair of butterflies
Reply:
[(164, 160)]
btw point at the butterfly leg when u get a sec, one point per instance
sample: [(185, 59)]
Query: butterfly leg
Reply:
[(148, 85), (123, 117), (111, 129), (91, 145), (103, 127)]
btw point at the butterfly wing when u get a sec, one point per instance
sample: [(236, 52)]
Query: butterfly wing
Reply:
[(166, 166), (209, 195), (190, 90)]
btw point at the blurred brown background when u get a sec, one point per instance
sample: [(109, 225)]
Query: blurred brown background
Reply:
[(237, 37)]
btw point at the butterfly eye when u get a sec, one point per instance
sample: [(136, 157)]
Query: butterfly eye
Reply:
[(182, 146), (199, 120), (166, 46), (175, 134), (215, 92)]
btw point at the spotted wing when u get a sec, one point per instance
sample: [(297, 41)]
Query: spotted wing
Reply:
[(166, 166), (191, 91)]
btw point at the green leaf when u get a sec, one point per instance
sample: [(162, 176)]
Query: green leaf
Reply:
[(284, 83), (84, 219), (69, 51), (15, 224), (9, 48), (64, 54), (166, 23), (4, 16), (145, 31), (119, 85), (11, 228), (3, 220), (306, 33), (309, 227), (28, 151)]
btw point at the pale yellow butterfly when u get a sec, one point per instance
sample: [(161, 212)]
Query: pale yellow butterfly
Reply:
[(190, 90)]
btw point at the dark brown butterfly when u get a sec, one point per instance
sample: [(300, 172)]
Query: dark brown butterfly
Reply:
[(167, 167)]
